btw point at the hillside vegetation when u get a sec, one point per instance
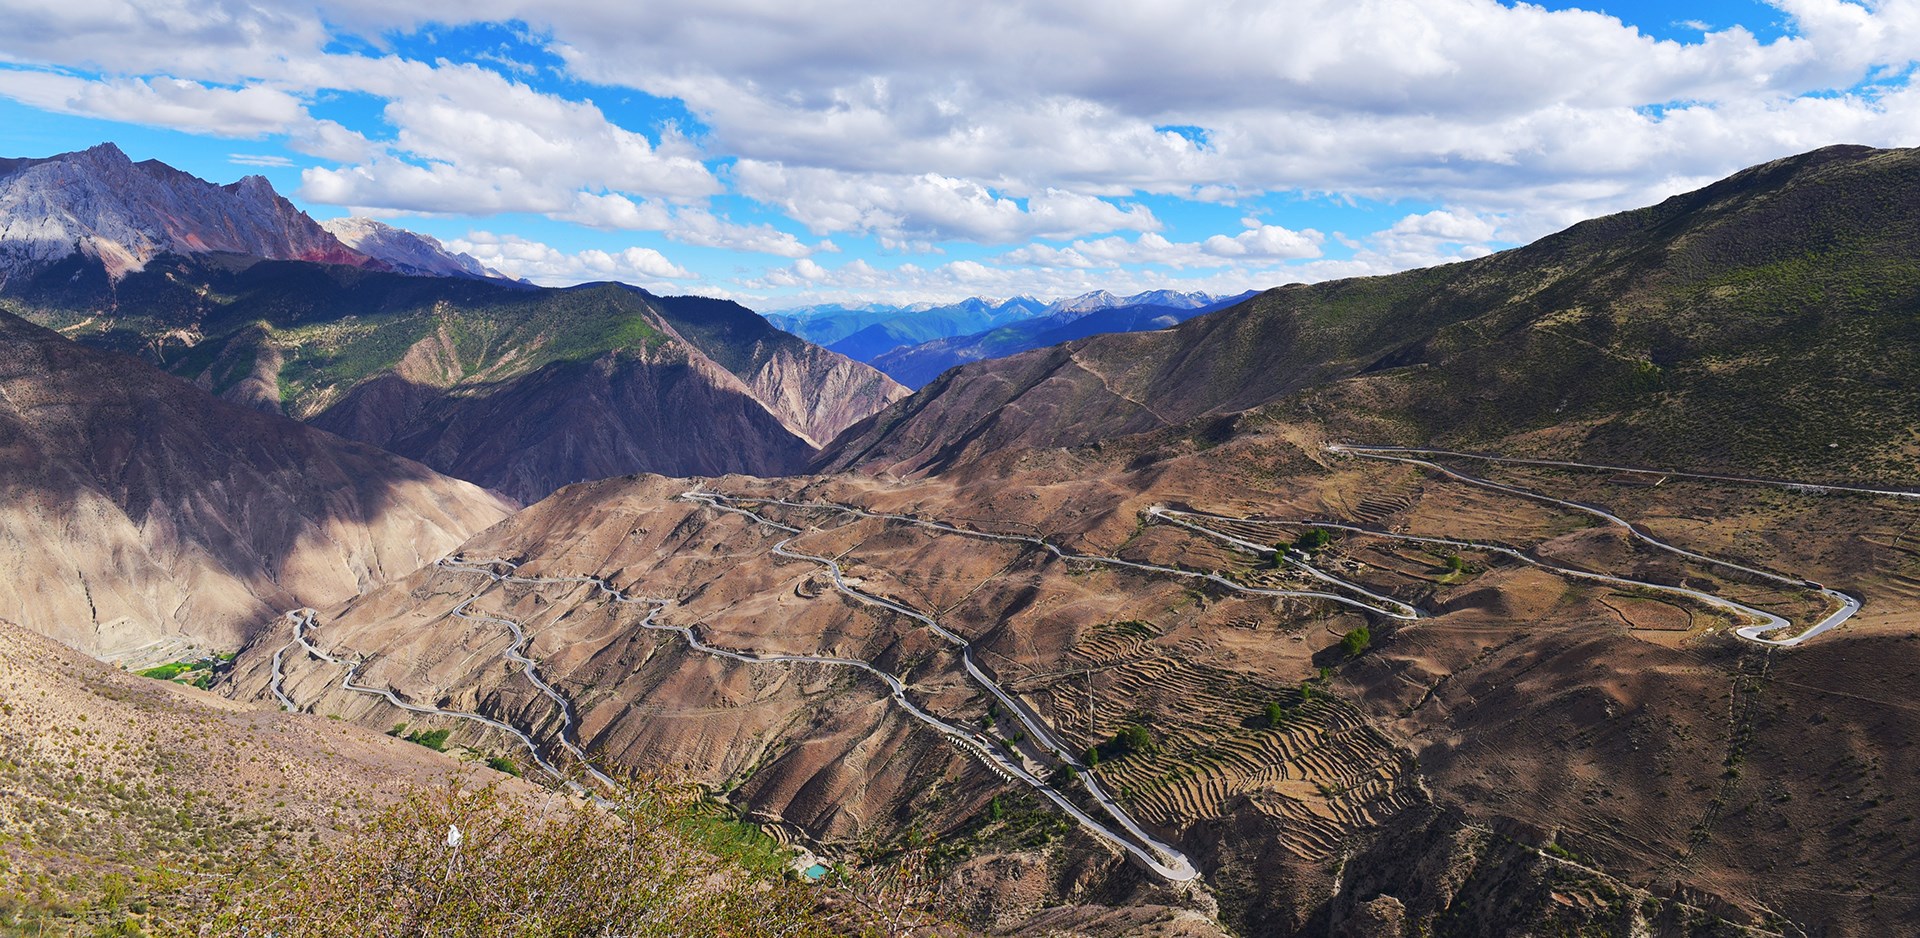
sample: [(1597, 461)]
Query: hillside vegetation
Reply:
[(517, 388), (134, 806), (1765, 323)]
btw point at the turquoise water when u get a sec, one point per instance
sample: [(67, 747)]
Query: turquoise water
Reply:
[(815, 871)]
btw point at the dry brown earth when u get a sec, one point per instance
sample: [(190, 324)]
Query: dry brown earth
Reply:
[(1522, 758), (104, 772)]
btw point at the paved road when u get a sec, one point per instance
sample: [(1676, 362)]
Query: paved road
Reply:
[(516, 654), (1404, 611), (280, 678), (1813, 487), (1174, 869), (1397, 610), (1161, 857), (1845, 605), (302, 620)]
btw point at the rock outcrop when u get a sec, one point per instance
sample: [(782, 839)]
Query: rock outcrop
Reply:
[(405, 251)]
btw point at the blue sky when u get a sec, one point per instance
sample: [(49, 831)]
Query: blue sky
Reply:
[(922, 150)]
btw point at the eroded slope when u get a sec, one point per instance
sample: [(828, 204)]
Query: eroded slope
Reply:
[(1516, 756), (140, 516)]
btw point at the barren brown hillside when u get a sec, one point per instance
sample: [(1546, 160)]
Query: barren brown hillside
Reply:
[(1535, 752)]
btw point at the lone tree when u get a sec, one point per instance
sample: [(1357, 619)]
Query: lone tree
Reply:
[(1275, 713), (1356, 641)]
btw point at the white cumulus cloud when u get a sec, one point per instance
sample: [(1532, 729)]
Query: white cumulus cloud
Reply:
[(546, 265)]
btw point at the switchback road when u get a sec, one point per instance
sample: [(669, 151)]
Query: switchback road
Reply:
[(1844, 605)]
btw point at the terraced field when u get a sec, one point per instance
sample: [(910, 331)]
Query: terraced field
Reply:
[(1323, 769)]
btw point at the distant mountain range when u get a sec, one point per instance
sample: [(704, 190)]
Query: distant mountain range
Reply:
[(833, 324), (915, 342), (915, 365), (383, 336)]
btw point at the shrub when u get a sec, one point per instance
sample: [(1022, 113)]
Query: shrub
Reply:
[(533, 868), (1357, 641), (1132, 738), (435, 740), (1275, 714)]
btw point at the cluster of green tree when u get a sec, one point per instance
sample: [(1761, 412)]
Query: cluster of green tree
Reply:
[(1130, 739), (435, 740), (1309, 543), (198, 673)]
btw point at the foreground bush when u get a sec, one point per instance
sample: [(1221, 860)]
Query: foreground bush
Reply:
[(531, 867)]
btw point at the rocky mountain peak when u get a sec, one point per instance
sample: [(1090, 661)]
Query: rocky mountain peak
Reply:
[(1084, 303), (406, 251), (98, 202)]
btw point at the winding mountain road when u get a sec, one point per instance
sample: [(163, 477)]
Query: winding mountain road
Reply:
[(1391, 608), (302, 620), (1161, 857), (1845, 605), (279, 678), (517, 654), (1813, 487)]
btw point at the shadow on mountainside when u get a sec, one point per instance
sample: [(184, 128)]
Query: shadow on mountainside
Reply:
[(132, 494), (622, 412)]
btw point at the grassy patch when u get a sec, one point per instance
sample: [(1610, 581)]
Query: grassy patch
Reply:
[(435, 740), (737, 841), (168, 672)]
